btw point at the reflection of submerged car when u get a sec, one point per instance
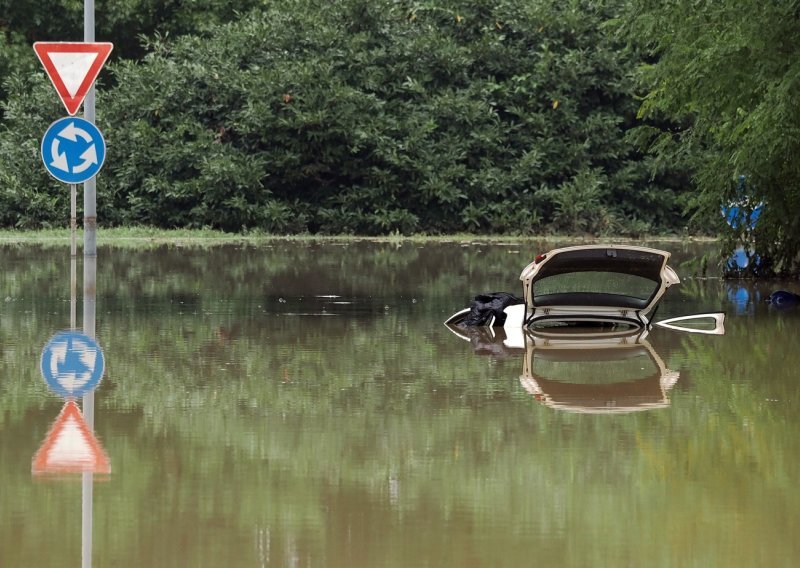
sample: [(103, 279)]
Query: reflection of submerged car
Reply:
[(596, 373), (601, 284), (583, 369)]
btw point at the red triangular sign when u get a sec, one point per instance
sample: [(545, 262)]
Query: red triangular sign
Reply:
[(72, 68), (70, 447)]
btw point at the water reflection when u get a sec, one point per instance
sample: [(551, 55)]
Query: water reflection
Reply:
[(70, 447), (744, 297), (72, 365), (582, 370), (239, 436), (596, 373)]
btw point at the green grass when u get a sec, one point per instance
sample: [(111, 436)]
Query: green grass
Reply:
[(149, 235)]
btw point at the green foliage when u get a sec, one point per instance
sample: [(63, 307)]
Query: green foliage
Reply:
[(120, 21), (29, 198), (371, 117), (727, 77)]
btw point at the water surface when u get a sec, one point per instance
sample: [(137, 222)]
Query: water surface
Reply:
[(301, 404)]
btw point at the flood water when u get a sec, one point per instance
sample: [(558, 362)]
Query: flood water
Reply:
[(302, 404)]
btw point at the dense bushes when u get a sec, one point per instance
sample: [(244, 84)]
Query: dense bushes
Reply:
[(727, 76), (363, 117)]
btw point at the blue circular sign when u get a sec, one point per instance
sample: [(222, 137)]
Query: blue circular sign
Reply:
[(73, 150), (72, 364)]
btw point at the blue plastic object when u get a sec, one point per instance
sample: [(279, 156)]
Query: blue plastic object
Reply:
[(742, 212)]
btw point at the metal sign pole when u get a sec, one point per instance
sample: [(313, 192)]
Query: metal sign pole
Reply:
[(73, 218), (73, 259), (89, 186), (89, 297)]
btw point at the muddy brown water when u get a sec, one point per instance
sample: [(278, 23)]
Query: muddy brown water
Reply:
[(301, 404)]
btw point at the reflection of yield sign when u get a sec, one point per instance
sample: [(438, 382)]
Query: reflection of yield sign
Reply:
[(72, 67), (72, 364), (70, 447), (73, 150)]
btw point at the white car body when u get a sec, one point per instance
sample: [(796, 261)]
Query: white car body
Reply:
[(589, 284)]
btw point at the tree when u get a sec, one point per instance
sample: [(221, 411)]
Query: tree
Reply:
[(727, 77)]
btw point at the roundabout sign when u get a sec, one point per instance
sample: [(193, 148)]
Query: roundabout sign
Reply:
[(73, 150)]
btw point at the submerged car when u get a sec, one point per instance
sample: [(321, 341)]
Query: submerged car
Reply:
[(616, 285)]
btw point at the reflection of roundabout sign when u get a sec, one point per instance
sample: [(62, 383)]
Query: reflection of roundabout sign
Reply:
[(73, 150), (72, 364)]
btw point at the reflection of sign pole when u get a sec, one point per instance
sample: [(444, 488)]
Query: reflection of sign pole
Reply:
[(89, 317)]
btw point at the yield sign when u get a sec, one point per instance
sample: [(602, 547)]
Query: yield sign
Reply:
[(70, 447), (72, 68)]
